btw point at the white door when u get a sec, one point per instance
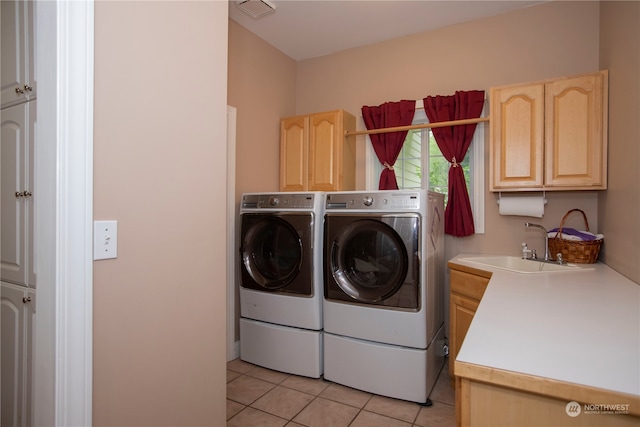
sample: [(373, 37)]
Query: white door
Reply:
[(17, 125), (17, 79), (16, 306)]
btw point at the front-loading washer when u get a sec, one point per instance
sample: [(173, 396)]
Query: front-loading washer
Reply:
[(281, 281), (383, 291)]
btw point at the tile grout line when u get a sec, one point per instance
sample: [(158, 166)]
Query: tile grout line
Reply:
[(314, 397)]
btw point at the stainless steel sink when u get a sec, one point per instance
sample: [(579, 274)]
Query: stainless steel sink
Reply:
[(519, 265)]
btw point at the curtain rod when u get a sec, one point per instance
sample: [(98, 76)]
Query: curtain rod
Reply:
[(421, 126)]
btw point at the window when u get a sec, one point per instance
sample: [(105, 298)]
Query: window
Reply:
[(420, 164)]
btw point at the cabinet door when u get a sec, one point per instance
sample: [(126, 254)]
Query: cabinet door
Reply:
[(517, 131), (325, 149), (17, 151), (461, 314), (293, 153), (17, 79), (17, 317), (468, 285), (575, 136)]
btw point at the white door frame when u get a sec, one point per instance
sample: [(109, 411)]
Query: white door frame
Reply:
[(232, 350), (62, 384)]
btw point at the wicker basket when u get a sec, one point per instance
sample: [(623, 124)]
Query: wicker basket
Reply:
[(580, 252)]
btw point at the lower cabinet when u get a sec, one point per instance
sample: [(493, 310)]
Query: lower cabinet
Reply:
[(487, 396), (493, 397), (466, 290), (18, 311)]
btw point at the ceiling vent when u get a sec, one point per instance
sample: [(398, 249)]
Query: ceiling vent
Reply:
[(256, 8)]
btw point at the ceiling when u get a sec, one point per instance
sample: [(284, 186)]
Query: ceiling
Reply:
[(305, 29)]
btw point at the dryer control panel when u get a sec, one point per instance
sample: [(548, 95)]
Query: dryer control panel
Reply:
[(279, 201), (376, 200)]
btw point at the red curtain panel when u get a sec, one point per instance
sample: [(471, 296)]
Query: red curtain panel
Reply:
[(388, 145), (454, 142)]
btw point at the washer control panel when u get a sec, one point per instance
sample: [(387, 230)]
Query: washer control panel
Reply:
[(377, 200)]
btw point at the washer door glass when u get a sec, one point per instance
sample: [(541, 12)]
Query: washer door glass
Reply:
[(272, 253), (369, 260)]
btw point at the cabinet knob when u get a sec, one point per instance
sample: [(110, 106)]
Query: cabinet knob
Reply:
[(19, 194), (19, 90), (28, 88), (27, 193), (26, 299)]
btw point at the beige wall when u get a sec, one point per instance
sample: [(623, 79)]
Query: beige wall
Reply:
[(619, 207), (546, 41), (160, 134), (262, 88)]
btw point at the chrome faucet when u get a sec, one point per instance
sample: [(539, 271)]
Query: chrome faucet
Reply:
[(546, 238)]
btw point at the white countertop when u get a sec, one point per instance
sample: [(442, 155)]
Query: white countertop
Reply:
[(581, 327)]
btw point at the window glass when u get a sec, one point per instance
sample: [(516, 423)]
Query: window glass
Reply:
[(411, 167), (408, 167)]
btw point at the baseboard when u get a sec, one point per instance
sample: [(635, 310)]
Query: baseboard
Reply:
[(235, 352)]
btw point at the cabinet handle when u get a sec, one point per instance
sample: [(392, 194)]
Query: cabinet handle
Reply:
[(27, 193), (19, 194), (28, 88), (26, 299), (19, 90)]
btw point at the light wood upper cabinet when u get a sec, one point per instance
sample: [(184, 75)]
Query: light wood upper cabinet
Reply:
[(550, 135), (314, 153), (575, 132), (294, 153), (517, 132)]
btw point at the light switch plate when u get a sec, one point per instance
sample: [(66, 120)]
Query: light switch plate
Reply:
[(105, 240)]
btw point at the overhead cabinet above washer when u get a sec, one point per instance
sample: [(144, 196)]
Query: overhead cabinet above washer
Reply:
[(550, 134), (314, 153)]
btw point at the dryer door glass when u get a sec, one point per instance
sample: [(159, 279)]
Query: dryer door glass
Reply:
[(369, 260), (272, 252)]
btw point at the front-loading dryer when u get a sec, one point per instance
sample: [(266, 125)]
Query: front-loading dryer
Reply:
[(383, 291), (281, 281)]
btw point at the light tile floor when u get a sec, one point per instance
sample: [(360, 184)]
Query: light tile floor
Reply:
[(261, 397)]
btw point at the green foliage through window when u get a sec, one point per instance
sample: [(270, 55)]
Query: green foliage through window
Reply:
[(410, 166)]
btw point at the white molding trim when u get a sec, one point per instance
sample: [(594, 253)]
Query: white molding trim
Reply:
[(74, 246), (479, 196), (231, 232), (44, 329)]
